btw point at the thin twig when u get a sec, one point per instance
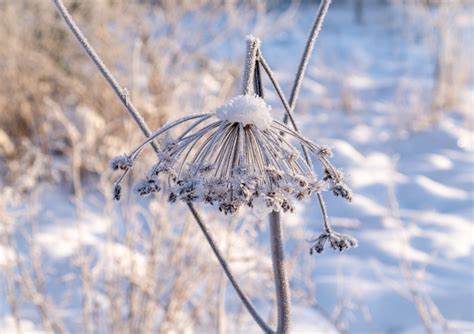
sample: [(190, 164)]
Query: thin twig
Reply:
[(308, 51), (122, 94), (285, 103), (253, 44), (289, 106), (245, 300), (282, 286), (324, 213), (275, 223)]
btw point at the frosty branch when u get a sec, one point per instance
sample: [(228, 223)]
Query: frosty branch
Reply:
[(124, 98), (237, 156)]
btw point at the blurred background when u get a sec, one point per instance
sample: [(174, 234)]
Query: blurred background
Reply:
[(390, 88)]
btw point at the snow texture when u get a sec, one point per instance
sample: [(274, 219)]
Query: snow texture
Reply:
[(246, 109)]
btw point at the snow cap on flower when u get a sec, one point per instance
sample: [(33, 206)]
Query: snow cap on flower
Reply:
[(219, 159), (246, 109)]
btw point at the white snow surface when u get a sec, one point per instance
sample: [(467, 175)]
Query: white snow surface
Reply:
[(246, 109)]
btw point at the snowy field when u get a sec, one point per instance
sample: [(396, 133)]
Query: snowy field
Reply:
[(412, 209), (413, 192)]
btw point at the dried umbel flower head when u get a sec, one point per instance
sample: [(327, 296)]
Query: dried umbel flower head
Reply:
[(338, 241), (233, 157)]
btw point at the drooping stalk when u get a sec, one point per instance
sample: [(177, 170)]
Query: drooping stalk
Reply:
[(285, 103), (318, 22), (276, 233), (289, 106)]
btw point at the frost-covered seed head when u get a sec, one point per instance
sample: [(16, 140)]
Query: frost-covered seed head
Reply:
[(235, 157), (122, 162), (342, 190), (339, 187), (319, 243), (147, 186)]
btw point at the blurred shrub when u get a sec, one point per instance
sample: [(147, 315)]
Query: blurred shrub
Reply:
[(53, 101)]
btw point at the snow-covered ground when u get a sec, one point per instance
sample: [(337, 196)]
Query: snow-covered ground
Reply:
[(412, 210), (413, 192)]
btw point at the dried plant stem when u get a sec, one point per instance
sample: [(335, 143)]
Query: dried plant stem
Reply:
[(245, 300), (289, 106), (253, 44), (279, 273), (282, 286), (283, 100), (318, 22), (327, 227), (121, 92), (123, 95), (279, 268)]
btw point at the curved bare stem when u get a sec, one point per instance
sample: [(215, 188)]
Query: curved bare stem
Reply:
[(285, 103), (245, 300), (280, 276), (308, 51), (253, 45), (124, 98), (289, 106), (122, 93)]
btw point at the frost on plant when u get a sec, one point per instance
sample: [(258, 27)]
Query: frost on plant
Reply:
[(234, 157), (121, 162), (248, 110), (238, 156), (338, 241)]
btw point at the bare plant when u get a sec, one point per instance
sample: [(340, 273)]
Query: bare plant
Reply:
[(239, 165)]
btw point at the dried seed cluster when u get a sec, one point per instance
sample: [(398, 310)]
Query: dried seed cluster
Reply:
[(225, 160), (338, 241)]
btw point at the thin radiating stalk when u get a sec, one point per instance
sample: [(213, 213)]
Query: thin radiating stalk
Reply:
[(279, 269), (124, 98)]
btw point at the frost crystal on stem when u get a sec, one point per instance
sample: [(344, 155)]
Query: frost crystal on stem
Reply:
[(233, 157)]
